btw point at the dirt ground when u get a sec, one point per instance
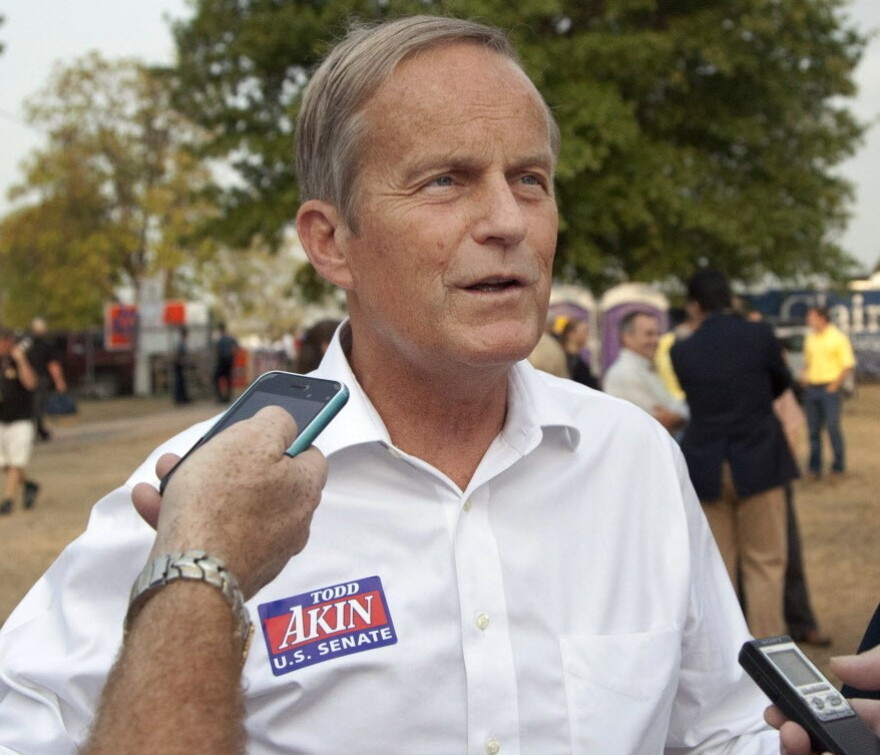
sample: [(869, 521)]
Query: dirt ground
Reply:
[(89, 455), (97, 450)]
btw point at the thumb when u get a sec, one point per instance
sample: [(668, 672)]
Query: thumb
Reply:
[(147, 502)]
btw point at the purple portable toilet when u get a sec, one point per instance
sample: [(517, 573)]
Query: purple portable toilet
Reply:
[(576, 303)]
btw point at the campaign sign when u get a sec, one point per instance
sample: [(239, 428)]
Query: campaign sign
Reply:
[(326, 623), (120, 323)]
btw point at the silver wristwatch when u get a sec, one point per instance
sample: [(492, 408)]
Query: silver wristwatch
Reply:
[(195, 565)]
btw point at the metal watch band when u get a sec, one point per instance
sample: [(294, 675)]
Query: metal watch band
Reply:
[(195, 565)]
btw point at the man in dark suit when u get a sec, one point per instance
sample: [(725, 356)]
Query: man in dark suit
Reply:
[(739, 461)]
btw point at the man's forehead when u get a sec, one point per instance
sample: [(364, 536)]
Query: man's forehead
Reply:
[(450, 68), (457, 90), (646, 320)]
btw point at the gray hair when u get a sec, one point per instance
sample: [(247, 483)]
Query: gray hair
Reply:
[(628, 321), (331, 127)]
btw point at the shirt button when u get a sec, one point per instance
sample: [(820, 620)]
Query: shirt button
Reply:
[(467, 505), (493, 747), (482, 621)]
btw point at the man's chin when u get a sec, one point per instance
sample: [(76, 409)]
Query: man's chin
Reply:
[(502, 352)]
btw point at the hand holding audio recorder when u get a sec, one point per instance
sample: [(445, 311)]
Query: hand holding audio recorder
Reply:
[(804, 695)]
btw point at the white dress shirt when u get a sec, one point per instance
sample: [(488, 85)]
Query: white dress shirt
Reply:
[(570, 600), (632, 377)]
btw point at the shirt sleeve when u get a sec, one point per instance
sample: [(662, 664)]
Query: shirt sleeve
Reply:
[(623, 384), (717, 708), (58, 645)]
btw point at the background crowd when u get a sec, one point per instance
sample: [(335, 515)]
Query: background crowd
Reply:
[(720, 383)]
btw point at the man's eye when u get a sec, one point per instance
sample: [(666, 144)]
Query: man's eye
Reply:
[(530, 179), (442, 181)]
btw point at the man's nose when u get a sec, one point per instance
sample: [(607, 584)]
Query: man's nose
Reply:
[(500, 217)]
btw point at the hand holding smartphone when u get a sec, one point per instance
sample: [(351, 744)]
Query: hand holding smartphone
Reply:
[(805, 696), (311, 401)]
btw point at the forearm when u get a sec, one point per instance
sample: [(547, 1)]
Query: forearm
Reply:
[(26, 374), (176, 686), (668, 418), (190, 701), (57, 375), (841, 380)]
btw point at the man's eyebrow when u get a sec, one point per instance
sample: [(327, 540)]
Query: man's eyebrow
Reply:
[(543, 160), (440, 162), (451, 162)]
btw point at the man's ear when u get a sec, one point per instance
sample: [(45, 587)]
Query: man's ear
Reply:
[(323, 233)]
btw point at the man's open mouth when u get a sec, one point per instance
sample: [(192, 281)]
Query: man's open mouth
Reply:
[(494, 285)]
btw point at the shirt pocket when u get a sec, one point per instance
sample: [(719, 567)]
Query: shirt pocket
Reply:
[(619, 690)]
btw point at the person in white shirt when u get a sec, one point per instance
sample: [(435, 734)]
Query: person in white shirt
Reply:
[(503, 561), (632, 375)]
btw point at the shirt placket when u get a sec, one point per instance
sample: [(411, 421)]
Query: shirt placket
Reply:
[(493, 717)]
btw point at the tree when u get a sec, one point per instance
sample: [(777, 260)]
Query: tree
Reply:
[(258, 289), (693, 130), (56, 260), (718, 129), (109, 200)]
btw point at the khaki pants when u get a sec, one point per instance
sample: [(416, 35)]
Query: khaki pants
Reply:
[(751, 535)]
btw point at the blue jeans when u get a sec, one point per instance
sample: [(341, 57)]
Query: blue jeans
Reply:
[(822, 408)]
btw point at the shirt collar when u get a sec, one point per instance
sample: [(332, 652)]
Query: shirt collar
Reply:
[(358, 421), (534, 406), (632, 356), (537, 407)]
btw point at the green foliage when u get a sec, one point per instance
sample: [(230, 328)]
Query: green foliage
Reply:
[(110, 199), (693, 131), (56, 261), (255, 287)]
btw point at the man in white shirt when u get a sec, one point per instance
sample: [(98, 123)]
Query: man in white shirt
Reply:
[(632, 375), (503, 561)]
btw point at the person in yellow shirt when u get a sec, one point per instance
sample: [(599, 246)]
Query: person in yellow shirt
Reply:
[(663, 362), (828, 362)]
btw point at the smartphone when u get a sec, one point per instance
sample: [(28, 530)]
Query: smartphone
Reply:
[(799, 690), (311, 401)]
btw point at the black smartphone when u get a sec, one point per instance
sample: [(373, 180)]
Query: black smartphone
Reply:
[(801, 692), (311, 401)]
